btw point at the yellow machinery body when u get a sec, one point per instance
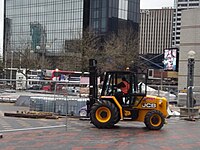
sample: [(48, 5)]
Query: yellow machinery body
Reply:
[(143, 106)]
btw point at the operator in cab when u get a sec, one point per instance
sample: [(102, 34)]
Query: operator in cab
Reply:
[(124, 87)]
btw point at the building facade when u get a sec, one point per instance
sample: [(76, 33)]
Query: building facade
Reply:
[(155, 36), (155, 30), (47, 25), (190, 40), (179, 6)]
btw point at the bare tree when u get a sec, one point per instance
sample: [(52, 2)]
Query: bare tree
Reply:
[(82, 49), (116, 52), (121, 50), (28, 58), (69, 61)]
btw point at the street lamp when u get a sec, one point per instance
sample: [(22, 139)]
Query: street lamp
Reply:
[(190, 79), (43, 54)]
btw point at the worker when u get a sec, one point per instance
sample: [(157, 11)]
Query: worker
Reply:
[(124, 87)]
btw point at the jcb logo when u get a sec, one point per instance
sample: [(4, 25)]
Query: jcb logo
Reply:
[(149, 105)]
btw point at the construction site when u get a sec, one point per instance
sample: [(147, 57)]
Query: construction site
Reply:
[(67, 120), (74, 133)]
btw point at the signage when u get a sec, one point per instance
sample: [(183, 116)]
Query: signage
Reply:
[(171, 59)]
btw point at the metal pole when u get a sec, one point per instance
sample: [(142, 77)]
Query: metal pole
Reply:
[(158, 90), (20, 61), (161, 85), (43, 58), (11, 66), (26, 79), (190, 82), (66, 106), (5, 64)]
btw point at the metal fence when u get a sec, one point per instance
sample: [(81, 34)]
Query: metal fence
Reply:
[(57, 97), (61, 106), (68, 98)]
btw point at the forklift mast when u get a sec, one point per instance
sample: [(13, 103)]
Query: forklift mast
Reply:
[(93, 87)]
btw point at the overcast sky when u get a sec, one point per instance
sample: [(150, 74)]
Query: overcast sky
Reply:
[(144, 4), (156, 4)]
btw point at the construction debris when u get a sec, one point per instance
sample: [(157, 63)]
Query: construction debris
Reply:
[(32, 114)]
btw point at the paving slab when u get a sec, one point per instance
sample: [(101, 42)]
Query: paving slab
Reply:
[(75, 134), (178, 134)]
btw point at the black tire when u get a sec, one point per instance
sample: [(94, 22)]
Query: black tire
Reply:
[(154, 120), (117, 119), (104, 114)]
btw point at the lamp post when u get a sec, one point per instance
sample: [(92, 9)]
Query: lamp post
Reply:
[(190, 79), (43, 55)]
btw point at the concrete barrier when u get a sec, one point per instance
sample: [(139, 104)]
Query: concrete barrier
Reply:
[(189, 112)]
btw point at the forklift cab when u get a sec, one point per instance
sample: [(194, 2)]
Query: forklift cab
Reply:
[(136, 92)]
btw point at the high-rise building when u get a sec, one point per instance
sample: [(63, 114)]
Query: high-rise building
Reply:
[(155, 30), (155, 35), (49, 24), (179, 6)]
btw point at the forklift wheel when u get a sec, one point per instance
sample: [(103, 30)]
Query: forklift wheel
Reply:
[(154, 120), (104, 114)]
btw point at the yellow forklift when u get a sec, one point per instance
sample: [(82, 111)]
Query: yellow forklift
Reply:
[(107, 110)]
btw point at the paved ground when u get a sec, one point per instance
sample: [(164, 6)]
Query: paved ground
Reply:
[(178, 134), (12, 123)]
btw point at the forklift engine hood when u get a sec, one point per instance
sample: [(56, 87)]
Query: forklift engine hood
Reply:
[(155, 102)]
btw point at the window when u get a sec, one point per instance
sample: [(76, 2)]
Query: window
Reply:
[(182, 0), (195, 4)]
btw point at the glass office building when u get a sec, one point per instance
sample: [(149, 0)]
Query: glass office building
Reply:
[(110, 15), (43, 22), (47, 25)]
